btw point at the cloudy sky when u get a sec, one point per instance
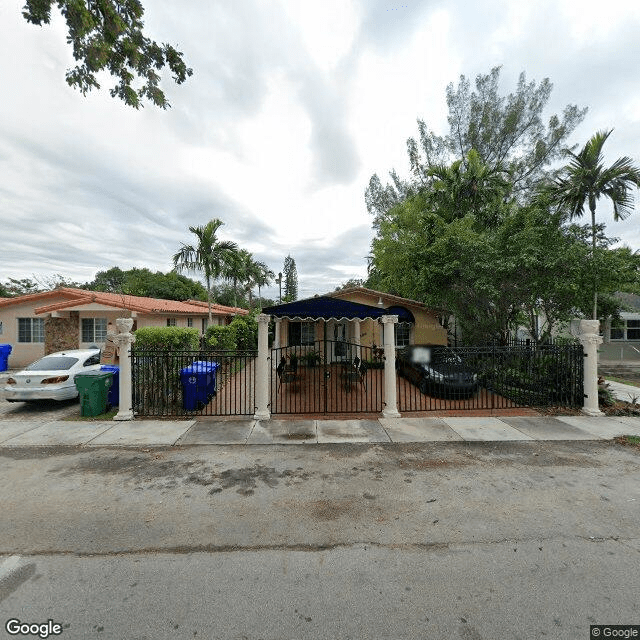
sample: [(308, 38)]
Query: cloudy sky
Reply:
[(292, 106)]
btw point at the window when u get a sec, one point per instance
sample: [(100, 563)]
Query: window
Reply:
[(205, 324), (301, 333), (171, 322), (30, 330), (94, 329), (633, 329), (625, 330), (189, 322), (402, 330)]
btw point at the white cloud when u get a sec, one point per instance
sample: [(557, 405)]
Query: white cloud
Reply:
[(292, 107)]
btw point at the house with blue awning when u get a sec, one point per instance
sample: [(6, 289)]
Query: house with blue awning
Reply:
[(353, 316)]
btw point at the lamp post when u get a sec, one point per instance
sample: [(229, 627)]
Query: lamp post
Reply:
[(279, 283)]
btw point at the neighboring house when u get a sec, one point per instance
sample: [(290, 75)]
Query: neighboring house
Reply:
[(353, 315), (67, 318), (622, 337)]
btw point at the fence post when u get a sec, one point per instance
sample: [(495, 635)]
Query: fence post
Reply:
[(262, 370), (123, 341), (590, 339), (390, 409)]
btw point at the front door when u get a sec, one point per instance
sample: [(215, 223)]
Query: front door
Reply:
[(341, 348)]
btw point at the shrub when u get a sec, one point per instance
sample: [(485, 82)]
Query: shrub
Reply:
[(166, 339), (241, 335), (246, 328), (222, 338)]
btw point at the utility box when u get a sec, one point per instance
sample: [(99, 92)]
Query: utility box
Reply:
[(93, 387), (198, 384)]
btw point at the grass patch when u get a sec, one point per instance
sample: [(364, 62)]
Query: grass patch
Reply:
[(628, 441), (103, 416)]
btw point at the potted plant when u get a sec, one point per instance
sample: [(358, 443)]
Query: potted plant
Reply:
[(311, 358)]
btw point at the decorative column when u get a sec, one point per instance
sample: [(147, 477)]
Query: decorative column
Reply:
[(123, 340), (262, 370), (276, 340), (390, 395), (590, 339), (356, 337)]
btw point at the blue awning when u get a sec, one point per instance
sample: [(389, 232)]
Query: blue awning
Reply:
[(325, 308)]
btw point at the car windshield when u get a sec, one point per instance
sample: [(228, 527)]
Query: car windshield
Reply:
[(53, 363)]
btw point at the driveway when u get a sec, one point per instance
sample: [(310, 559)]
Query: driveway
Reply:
[(45, 410)]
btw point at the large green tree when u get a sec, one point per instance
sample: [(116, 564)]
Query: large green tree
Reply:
[(209, 255), (107, 36), (493, 273), (143, 282), (508, 132), (585, 179), (290, 275)]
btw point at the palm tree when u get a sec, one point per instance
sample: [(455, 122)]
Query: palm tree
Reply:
[(586, 180), (237, 270), (468, 186), (263, 277), (208, 256)]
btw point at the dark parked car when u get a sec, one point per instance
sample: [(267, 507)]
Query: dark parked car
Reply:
[(436, 370)]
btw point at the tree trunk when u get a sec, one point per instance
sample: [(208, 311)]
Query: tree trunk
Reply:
[(593, 261)]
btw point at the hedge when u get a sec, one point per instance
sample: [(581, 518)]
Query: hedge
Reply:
[(167, 339)]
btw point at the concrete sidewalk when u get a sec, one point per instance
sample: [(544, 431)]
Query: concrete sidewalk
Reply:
[(625, 392), (143, 433)]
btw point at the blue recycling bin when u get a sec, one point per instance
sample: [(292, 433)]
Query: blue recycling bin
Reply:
[(113, 397), (5, 350), (198, 384)]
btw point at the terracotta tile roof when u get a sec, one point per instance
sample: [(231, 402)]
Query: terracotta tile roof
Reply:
[(220, 307), (78, 297)]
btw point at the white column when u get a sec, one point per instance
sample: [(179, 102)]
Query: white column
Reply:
[(356, 337), (123, 341), (276, 340), (590, 339), (262, 370), (390, 395)]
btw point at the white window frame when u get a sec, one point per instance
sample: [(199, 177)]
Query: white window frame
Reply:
[(399, 337), (98, 333), (172, 322), (624, 329), (36, 330)]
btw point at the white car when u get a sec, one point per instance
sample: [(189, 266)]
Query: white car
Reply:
[(52, 377)]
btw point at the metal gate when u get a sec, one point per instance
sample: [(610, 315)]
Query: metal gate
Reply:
[(326, 377), (203, 383), (493, 377)]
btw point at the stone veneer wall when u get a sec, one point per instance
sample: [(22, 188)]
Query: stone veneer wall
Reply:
[(61, 333)]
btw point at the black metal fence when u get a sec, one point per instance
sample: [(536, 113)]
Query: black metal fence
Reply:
[(175, 383), (496, 377), (326, 377)]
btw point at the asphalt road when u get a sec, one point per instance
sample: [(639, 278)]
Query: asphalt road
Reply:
[(440, 540)]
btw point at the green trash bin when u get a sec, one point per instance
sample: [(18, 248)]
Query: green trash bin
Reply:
[(93, 387)]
